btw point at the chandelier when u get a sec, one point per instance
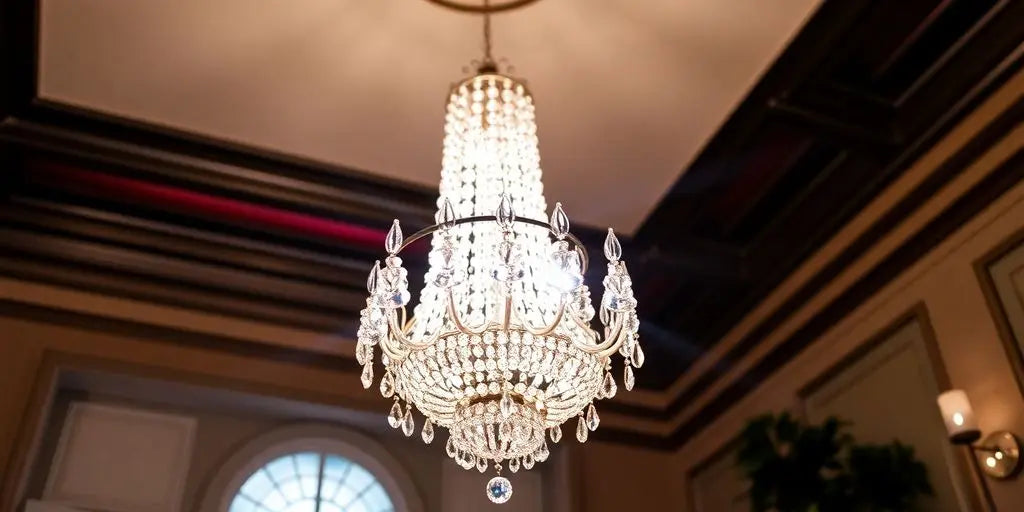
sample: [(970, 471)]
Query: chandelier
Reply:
[(502, 348)]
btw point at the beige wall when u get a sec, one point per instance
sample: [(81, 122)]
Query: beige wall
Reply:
[(965, 330)]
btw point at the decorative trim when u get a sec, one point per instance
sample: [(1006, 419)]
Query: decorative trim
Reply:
[(999, 314)]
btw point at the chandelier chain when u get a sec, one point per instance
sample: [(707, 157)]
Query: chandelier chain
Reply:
[(488, 58)]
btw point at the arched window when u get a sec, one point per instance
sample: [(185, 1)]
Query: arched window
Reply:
[(311, 468), (311, 482)]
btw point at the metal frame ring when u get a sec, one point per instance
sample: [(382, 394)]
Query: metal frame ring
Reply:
[(580, 248)]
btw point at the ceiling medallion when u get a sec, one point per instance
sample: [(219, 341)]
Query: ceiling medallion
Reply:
[(492, 6), (500, 350)]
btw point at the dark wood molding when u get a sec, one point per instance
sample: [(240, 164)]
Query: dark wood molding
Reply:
[(995, 304), (180, 336), (917, 314)]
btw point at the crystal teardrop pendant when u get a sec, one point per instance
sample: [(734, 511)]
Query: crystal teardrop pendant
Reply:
[(481, 465), (408, 423), (446, 215), (608, 388), (505, 431), (543, 453), (367, 377), (612, 248), (394, 239), (506, 405), (449, 448), (593, 420), (373, 278), (505, 216), (581, 431), (513, 465), (395, 416), (387, 385), (638, 355), (428, 432), (499, 490), (627, 378), (555, 433), (528, 461), (559, 222)]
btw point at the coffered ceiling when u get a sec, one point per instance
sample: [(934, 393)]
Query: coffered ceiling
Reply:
[(627, 92)]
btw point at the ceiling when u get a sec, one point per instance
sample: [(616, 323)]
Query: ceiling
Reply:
[(627, 92)]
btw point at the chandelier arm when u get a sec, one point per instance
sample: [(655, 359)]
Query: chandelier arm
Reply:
[(577, 243), (407, 343), (548, 329), (393, 353), (611, 343), (458, 321)]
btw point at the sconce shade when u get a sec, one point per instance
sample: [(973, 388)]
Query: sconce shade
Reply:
[(958, 415)]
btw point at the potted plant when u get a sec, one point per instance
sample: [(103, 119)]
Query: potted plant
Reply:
[(793, 467)]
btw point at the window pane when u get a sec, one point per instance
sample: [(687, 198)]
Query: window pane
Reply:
[(309, 486), (241, 504), (303, 506), (257, 486), (336, 467), (275, 501), (308, 463), (281, 469), (291, 491), (359, 478), (376, 499)]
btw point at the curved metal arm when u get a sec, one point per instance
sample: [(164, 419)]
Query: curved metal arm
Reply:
[(546, 330), (613, 337), (584, 258), (458, 321), (407, 343)]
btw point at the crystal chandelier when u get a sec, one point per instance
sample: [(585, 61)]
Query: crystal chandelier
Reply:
[(500, 350)]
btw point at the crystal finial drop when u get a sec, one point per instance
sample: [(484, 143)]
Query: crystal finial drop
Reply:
[(394, 239), (543, 452), (506, 405), (608, 387), (499, 489), (627, 378), (428, 432), (367, 376), (395, 416), (593, 420), (556, 434), (446, 215), (387, 385), (612, 248), (449, 448), (581, 431), (373, 278), (638, 355), (559, 222), (505, 216), (481, 465), (408, 424)]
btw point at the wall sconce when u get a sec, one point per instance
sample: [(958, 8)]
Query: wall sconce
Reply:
[(998, 454)]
